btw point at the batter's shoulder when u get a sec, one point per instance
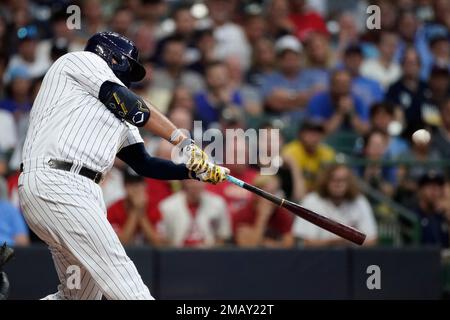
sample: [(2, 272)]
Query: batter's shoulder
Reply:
[(83, 60)]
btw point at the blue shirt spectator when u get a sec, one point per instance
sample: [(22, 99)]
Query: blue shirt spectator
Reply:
[(338, 107), (209, 111), (277, 80), (370, 91), (17, 99), (433, 221), (367, 89), (13, 229), (316, 77), (322, 106), (286, 91), (428, 36)]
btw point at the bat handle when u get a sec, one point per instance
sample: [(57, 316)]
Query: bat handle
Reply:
[(236, 181)]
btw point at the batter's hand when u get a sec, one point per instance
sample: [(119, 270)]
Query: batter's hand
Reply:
[(213, 174), (195, 159)]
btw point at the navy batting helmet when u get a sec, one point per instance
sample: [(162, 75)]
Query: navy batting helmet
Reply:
[(120, 53)]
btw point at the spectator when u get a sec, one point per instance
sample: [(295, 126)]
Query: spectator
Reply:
[(17, 100), (348, 34), (194, 217), (415, 164), (255, 24), (184, 29), (338, 107), (287, 90), (251, 99), (367, 89), (261, 222), (8, 132), (277, 12), (433, 217), (407, 27), (181, 118), (130, 217), (408, 93), (376, 175), (382, 118), (305, 20), (384, 69), (92, 20), (441, 137), (235, 197), (13, 229), (174, 71), (284, 166), (263, 62), (319, 59), (122, 21), (438, 91), (144, 39), (158, 190), (218, 95), (338, 197), (207, 47), (182, 98), (231, 40), (440, 49), (61, 34), (389, 15), (308, 152), (27, 56)]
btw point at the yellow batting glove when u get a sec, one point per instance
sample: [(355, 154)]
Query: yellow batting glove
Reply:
[(213, 174), (195, 159)]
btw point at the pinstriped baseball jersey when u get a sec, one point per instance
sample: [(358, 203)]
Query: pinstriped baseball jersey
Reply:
[(67, 120), (65, 209)]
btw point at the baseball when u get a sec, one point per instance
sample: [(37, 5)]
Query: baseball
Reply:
[(421, 136)]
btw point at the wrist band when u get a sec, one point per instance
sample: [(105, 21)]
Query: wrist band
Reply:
[(176, 134)]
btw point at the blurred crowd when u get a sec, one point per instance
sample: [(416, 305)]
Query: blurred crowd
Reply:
[(364, 114)]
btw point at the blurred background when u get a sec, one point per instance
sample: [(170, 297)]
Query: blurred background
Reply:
[(364, 116)]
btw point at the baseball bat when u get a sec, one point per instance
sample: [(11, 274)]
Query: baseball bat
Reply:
[(331, 225)]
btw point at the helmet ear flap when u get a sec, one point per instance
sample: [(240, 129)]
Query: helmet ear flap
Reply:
[(121, 68), (122, 64)]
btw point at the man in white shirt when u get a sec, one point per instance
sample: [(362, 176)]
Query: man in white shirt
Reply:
[(194, 217), (384, 69)]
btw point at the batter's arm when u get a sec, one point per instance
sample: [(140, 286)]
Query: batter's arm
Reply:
[(145, 165), (159, 125), (126, 105)]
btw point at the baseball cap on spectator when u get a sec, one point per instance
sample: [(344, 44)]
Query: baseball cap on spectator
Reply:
[(29, 32), (130, 176), (431, 177), (288, 43)]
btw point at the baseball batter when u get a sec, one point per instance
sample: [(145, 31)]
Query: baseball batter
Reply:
[(83, 117)]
